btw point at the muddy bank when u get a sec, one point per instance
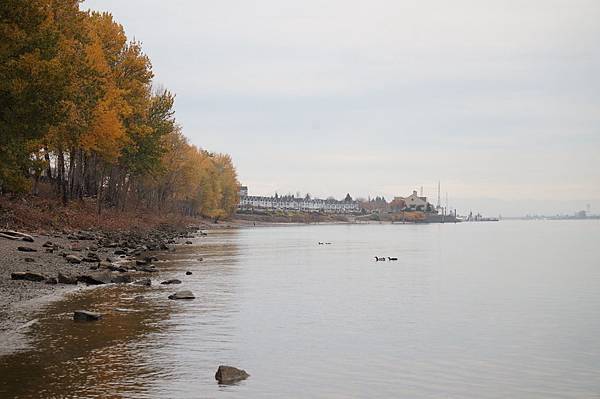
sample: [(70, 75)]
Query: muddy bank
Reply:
[(32, 273)]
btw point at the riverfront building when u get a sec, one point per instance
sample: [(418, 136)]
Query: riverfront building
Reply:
[(414, 202), (291, 203)]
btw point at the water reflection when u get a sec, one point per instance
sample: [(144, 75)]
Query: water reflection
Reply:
[(139, 344), (472, 310)]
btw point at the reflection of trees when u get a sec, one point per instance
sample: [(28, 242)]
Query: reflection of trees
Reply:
[(84, 359), (123, 354)]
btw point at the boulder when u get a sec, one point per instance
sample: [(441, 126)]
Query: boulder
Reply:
[(84, 315), (95, 278), (66, 279), (144, 281), (27, 276), (172, 281), (230, 375), (73, 259), (26, 249), (182, 295), (122, 279)]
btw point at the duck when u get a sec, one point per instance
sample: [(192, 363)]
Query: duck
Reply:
[(391, 258), (379, 259)]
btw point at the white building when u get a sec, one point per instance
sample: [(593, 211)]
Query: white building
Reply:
[(251, 202), (416, 203)]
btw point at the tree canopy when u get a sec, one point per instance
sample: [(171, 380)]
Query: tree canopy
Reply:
[(78, 109)]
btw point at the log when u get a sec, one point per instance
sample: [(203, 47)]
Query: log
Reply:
[(15, 235)]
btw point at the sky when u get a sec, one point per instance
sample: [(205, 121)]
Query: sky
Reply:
[(497, 100)]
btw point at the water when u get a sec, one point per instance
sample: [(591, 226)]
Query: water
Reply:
[(472, 310)]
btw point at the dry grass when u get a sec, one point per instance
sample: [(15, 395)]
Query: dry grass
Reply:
[(48, 214)]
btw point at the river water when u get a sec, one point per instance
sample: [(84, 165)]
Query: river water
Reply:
[(473, 310)]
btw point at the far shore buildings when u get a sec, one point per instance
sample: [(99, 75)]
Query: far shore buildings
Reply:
[(291, 203), (413, 202)]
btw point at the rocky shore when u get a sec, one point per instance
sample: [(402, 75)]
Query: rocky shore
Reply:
[(34, 267)]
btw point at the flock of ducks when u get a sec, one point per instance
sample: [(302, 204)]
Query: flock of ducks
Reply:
[(377, 258), (382, 258)]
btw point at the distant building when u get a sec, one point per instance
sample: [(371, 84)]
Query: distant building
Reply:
[(243, 191), (291, 203), (415, 203)]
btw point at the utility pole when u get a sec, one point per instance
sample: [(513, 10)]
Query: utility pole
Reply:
[(438, 202)]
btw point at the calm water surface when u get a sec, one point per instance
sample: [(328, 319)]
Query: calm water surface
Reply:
[(472, 310)]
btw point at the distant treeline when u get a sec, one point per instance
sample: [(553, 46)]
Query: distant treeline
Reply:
[(78, 109)]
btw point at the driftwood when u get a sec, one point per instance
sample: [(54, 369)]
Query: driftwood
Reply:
[(15, 235)]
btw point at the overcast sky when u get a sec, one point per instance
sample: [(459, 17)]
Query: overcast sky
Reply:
[(499, 100)]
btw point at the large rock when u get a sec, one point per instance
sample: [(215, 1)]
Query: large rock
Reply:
[(186, 294), (84, 315), (26, 249), (229, 375), (122, 279), (73, 259), (95, 278), (62, 279), (27, 276), (172, 281)]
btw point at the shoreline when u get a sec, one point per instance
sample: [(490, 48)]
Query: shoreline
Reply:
[(19, 299)]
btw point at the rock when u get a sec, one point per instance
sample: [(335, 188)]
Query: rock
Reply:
[(29, 260), (229, 375), (147, 269), (84, 315), (48, 244), (27, 276), (66, 279), (95, 279), (91, 257), (141, 262), (26, 249), (182, 295), (172, 281), (122, 279), (73, 259), (105, 265), (200, 259), (144, 281), (52, 280), (189, 242), (120, 252)]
